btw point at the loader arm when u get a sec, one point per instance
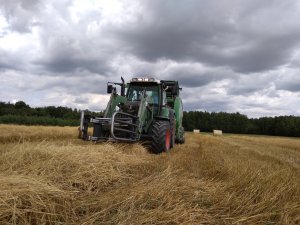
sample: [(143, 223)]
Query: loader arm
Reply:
[(145, 113), (112, 104)]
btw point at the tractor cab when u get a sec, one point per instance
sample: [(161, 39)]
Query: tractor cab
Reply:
[(145, 88)]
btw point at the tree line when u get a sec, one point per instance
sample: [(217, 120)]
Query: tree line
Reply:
[(21, 113), (240, 124)]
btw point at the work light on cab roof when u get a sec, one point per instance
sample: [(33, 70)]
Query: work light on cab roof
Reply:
[(146, 110), (143, 79)]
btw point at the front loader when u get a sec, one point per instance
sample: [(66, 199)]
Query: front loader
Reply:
[(146, 110)]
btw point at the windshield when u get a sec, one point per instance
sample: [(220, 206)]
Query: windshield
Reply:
[(134, 93)]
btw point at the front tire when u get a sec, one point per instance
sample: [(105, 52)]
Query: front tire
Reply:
[(161, 137)]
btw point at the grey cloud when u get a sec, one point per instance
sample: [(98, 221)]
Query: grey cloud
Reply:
[(10, 61), (268, 54), (248, 84), (68, 63), (81, 100), (190, 75), (20, 14), (91, 83), (68, 46), (208, 32), (208, 98), (69, 55), (292, 85), (208, 105), (222, 52)]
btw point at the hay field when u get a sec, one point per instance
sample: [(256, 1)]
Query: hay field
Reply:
[(48, 176)]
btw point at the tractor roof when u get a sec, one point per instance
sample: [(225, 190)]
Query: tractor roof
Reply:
[(153, 80), (144, 79)]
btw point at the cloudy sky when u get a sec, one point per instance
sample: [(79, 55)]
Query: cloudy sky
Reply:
[(228, 55)]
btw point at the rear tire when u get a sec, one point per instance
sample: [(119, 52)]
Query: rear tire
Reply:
[(161, 137), (173, 137), (182, 136)]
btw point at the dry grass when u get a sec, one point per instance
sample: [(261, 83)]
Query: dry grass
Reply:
[(21, 133), (48, 176)]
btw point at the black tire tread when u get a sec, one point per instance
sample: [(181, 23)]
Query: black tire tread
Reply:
[(182, 136), (158, 136)]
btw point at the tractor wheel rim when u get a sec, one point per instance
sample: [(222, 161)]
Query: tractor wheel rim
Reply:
[(168, 139)]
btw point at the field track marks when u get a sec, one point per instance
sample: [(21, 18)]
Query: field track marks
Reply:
[(279, 150)]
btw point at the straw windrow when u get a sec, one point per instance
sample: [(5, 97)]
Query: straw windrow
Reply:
[(47, 176)]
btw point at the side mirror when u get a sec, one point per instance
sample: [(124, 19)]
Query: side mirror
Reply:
[(109, 89)]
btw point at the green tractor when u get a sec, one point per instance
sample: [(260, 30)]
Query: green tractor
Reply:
[(146, 110)]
